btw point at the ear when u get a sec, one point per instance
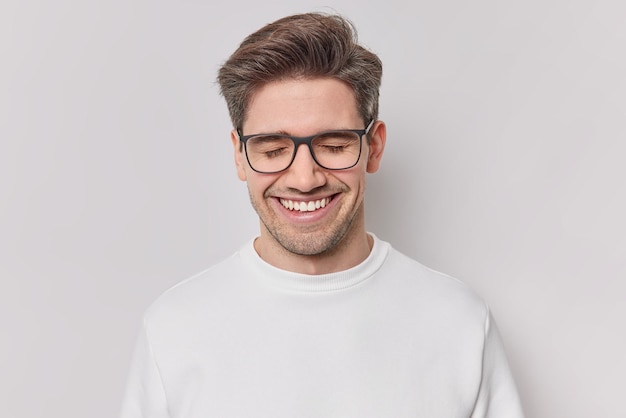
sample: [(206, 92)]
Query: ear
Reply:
[(378, 135), (240, 162)]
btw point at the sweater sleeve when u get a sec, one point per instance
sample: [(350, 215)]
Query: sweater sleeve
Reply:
[(145, 395), (497, 396)]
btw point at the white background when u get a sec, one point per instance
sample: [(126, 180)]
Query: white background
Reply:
[(504, 167)]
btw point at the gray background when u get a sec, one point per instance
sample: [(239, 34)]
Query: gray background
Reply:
[(504, 167)]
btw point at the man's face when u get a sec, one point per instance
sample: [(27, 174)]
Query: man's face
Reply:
[(329, 202)]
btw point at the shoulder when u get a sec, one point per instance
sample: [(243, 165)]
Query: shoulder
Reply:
[(431, 290), (411, 268), (192, 295)]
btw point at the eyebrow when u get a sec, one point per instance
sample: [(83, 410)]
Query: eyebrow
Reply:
[(283, 132)]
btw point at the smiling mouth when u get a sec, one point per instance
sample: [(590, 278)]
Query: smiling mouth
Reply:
[(302, 206)]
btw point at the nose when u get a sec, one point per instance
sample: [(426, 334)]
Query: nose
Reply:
[(304, 174)]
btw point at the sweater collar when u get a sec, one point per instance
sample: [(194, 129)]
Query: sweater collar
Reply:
[(297, 282)]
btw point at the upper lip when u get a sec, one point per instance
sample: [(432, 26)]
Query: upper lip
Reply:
[(306, 198)]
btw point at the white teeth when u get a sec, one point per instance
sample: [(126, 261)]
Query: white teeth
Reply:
[(305, 206)]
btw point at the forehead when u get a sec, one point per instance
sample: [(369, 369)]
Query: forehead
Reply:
[(302, 106)]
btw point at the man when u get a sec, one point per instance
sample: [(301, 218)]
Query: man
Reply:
[(315, 317)]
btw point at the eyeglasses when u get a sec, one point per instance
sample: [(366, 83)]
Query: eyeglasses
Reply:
[(332, 150)]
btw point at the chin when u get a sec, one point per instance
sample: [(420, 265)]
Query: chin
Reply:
[(324, 241)]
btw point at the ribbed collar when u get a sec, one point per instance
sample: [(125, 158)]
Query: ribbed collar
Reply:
[(298, 282)]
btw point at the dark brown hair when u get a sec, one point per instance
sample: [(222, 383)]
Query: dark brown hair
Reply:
[(307, 45)]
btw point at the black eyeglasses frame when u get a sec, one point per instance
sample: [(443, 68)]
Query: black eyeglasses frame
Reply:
[(307, 140)]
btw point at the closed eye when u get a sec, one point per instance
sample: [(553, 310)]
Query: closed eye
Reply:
[(275, 152), (336, 142), (270, 146), (333, 148)]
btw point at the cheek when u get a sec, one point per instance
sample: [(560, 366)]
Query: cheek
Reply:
[(353, 180), (257, 183)]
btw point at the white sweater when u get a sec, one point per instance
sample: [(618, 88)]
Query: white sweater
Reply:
[(388, 338)]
